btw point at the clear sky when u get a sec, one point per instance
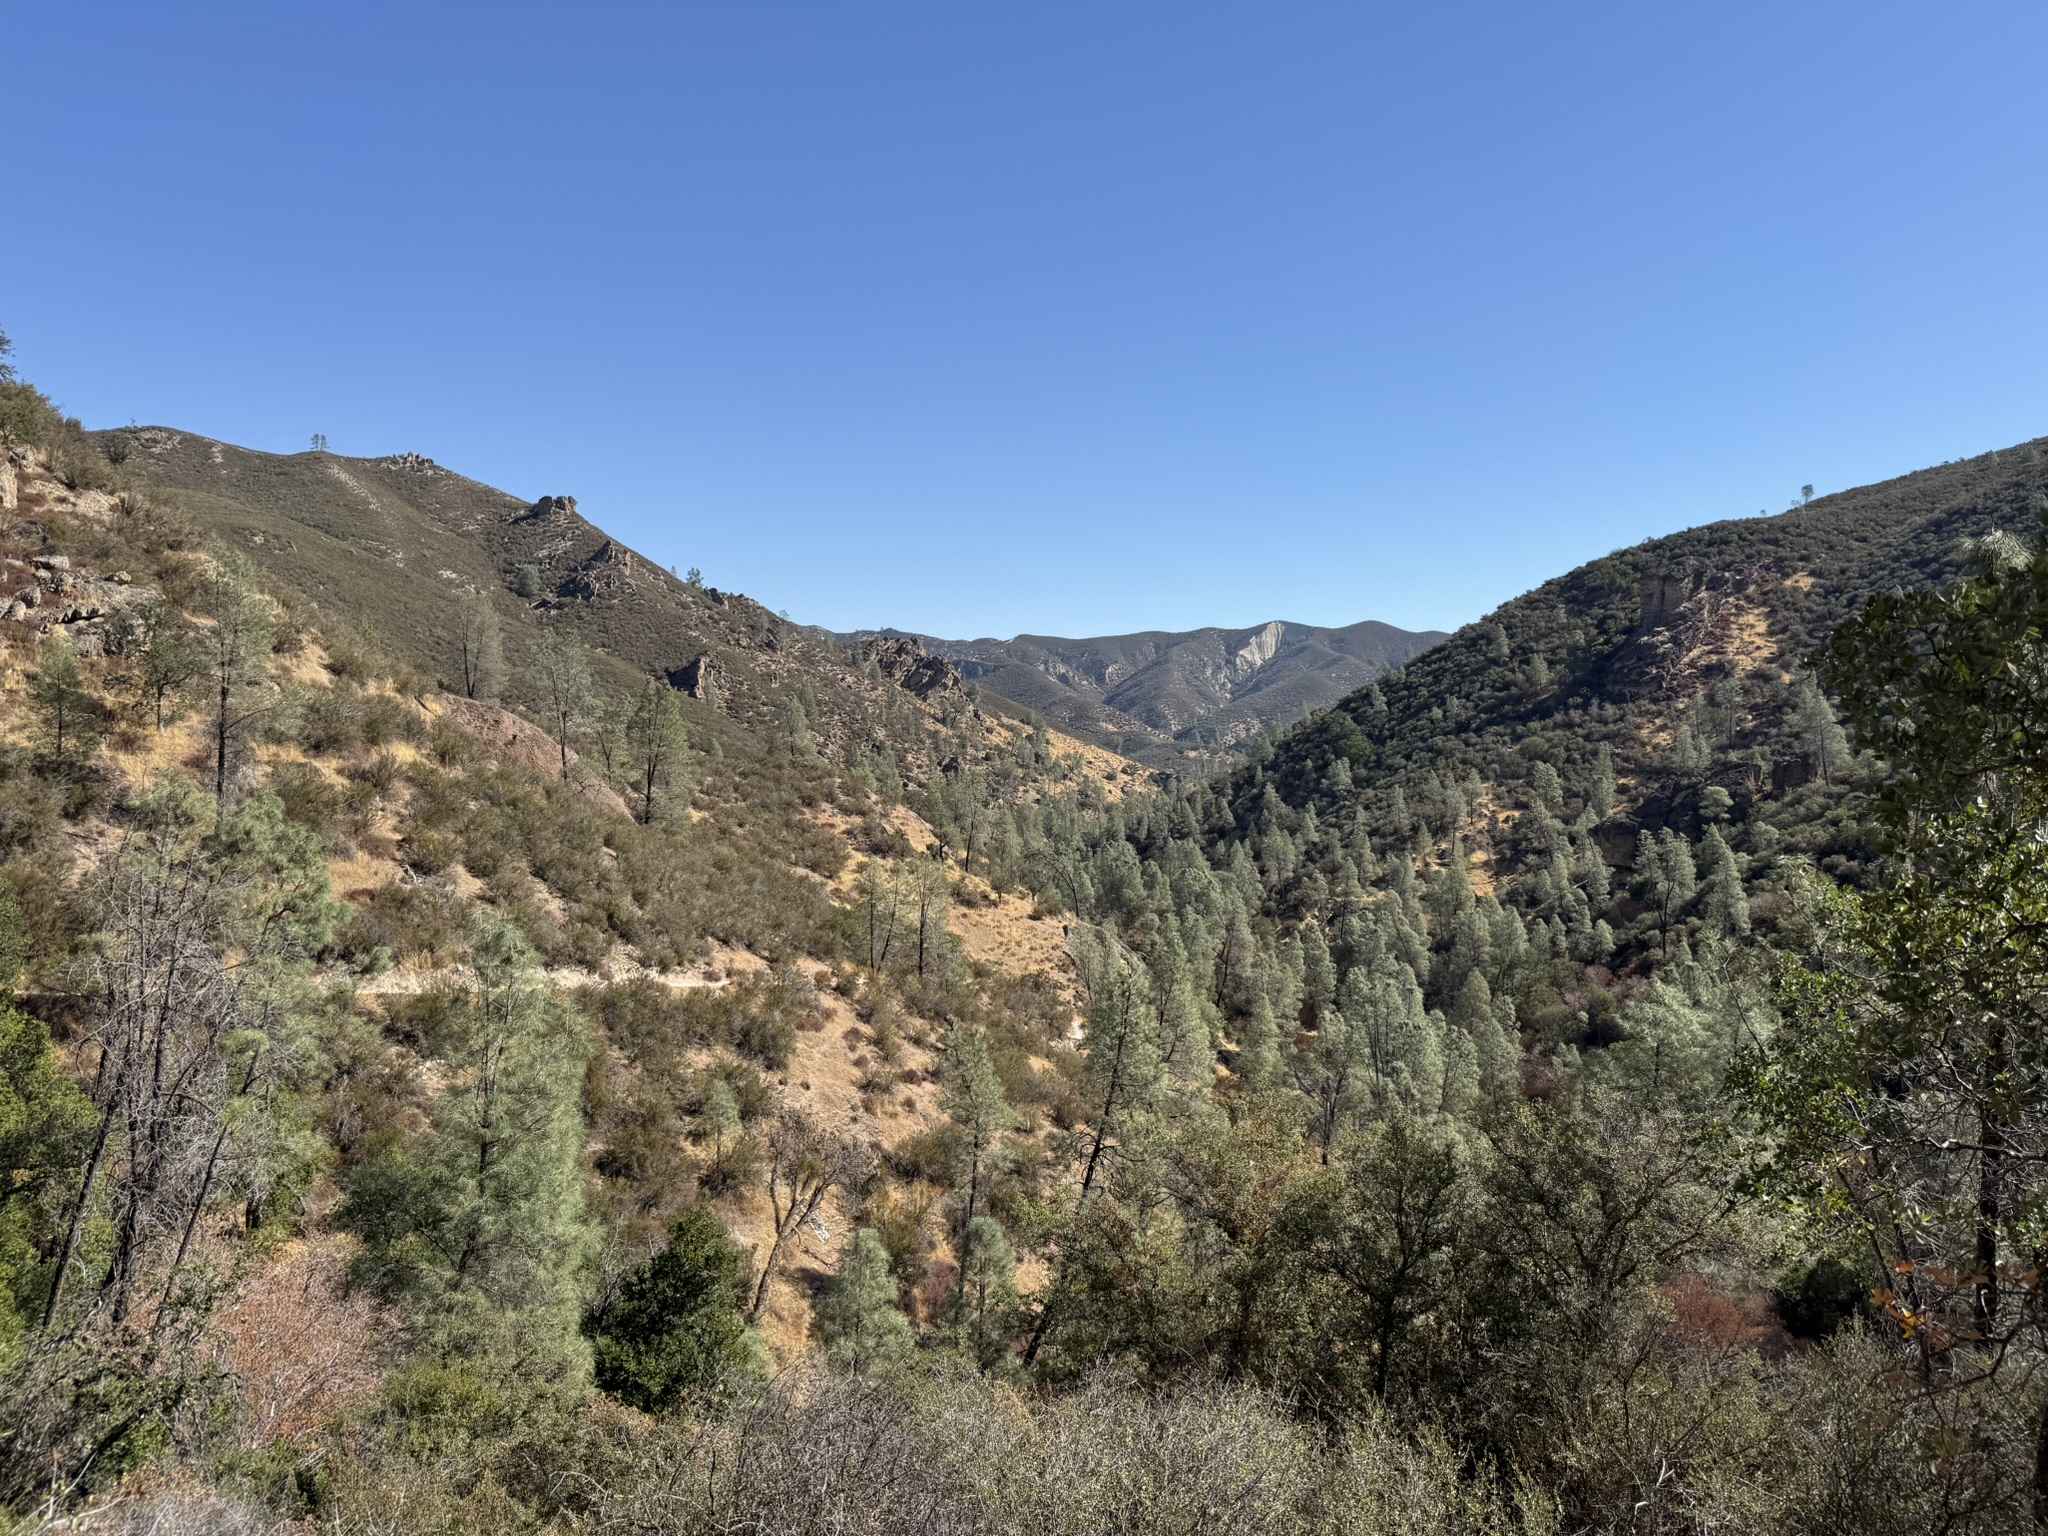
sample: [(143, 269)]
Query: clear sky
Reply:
[(1068, 317)]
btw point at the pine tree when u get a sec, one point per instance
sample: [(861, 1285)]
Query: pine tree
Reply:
[(1122, 1068), (1827, 748), (934, 894), (167, 655), (721, 1117), (481, 1228), (973, 1095), (859, 1322), (561, 673), (881, 901), (67, 717), (987, 1296), (1258, 1057), (1723, 900), (237, 650)]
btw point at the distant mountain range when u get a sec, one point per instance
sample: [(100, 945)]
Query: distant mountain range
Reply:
[(1165, 697)]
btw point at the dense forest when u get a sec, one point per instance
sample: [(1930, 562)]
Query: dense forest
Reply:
[(1591, 1080)]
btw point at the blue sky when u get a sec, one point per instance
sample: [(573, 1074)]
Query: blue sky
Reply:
[(1064, 317)]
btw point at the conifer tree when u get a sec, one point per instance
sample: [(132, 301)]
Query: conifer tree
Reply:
[(561, 674), (1123, 1067), (987, 1295), (167, 655), (973, 1095), (881, 901), (1258, 1057), (934, 896), (1813, 717), (481, 1227), (237, 648), (675, 1329), (67, 716), (1723, 899), (859, 1322), (721, 1117)]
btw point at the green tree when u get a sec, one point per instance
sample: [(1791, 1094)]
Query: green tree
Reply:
[(561, 674), (721, 1117), (46, 1127), (881, 904), (934, 896), (675, 1330), (655, 743), (68, 719), (987, 1295), (973, 1095), (1374, 1238), (237, 650), (168, 655), (479, 647), (1908, 1087), (480, 1227), (1819, 732), (859, 1323)]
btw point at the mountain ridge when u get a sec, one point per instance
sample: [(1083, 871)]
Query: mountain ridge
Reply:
[(1167, 696)]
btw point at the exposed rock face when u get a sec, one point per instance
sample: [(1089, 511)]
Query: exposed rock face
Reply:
[(698, 679), (510, 739), (904, 661), (608, 573), (553, 507)]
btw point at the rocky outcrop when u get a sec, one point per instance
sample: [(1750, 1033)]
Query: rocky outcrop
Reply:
[(551, 507), (608, 573), (903, 660), (698, 679), (83, 605)]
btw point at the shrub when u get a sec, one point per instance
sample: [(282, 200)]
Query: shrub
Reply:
[(675, 1331)]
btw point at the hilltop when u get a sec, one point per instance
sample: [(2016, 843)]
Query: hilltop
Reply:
[(389, 547)]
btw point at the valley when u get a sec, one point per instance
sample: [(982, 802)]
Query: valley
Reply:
[(678, 1060)]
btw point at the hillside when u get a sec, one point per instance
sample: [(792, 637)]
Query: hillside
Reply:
[(417, 1122), (1673, 668), (1181, 700), (389, 547)]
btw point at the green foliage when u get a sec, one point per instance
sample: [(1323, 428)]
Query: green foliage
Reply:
[(46, 1125), (68, 719), (479, 647), (859, 1322), (973, 1096), (674, 1333), (655, 741), (1907, 1094), (479, 1226)]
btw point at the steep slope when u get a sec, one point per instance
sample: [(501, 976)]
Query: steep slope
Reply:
[(391, 544), (1680, 660), (1172, 696)]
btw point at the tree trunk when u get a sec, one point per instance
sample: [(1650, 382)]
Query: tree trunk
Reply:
[(71, 1233)]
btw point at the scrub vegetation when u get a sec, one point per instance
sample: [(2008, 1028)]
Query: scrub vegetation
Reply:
[(469, 1064)]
